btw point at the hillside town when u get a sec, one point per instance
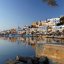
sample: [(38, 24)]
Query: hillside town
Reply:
[(50, 27)]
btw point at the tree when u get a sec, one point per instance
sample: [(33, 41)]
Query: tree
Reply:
[(37, 23), (63, 32), (61, 21), (58, 33), (51, 2), (40, 23)]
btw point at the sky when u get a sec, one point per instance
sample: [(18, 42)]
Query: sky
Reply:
[(14, 13)]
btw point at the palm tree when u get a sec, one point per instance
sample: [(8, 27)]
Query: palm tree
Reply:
[(51, 2)]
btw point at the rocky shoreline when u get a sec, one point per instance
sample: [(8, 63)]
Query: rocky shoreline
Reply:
[(28, 60)]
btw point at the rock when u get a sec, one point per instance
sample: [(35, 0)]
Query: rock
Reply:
[(29, 61), (43, 60), (35, 60), (17, 58)]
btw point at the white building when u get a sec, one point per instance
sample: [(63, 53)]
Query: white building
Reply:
[(42, 29), (53, 21), (20, 31), (60, 28)]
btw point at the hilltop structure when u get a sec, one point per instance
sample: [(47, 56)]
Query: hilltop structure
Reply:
[(48, 27)]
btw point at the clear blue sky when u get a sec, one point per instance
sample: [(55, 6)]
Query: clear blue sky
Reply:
[(15, 13)]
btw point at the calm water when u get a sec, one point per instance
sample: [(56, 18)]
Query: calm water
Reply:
[(33, 46)]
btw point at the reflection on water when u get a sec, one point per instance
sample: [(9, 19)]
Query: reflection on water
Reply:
[(34, 40), (50, 47), (54, 52)]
